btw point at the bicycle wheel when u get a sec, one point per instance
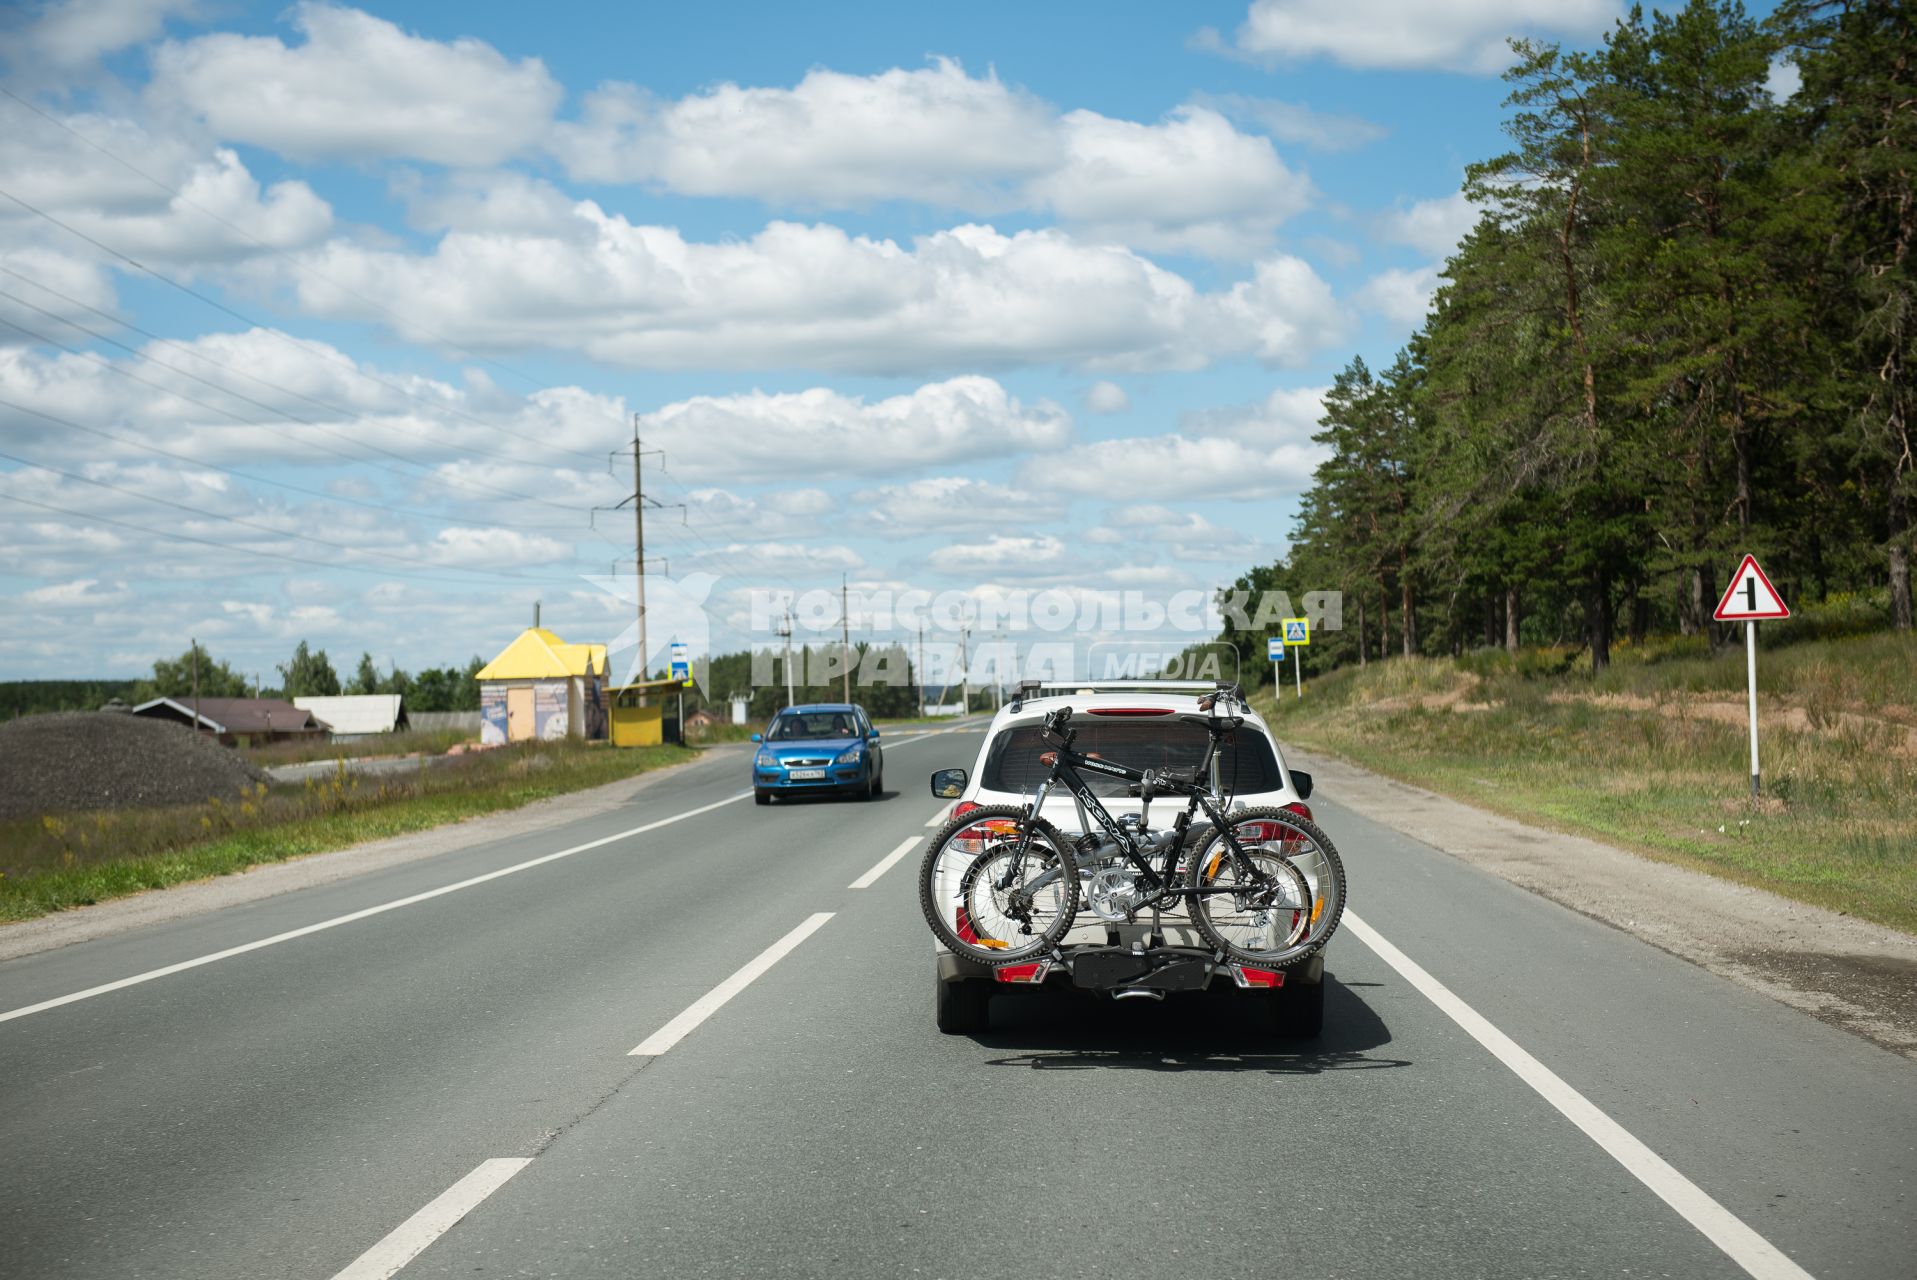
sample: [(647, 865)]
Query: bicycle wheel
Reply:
[(991, 903), (1289, 909)]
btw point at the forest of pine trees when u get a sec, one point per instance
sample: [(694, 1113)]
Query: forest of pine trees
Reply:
[(1681, 330)]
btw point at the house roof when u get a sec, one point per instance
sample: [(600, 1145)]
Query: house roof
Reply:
[(234, 715), (538, 654), (356, 712)]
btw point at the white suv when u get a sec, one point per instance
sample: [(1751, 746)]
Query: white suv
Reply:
[(1144, 725)]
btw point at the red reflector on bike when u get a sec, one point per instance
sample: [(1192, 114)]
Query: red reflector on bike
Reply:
[(1129, 711), (1034, 972), (1246, 976), (1300, 808)]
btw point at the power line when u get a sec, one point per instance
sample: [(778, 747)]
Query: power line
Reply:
[(226, 546), (254, 524), (476, 486), (257, 480), (310, 348), (238, 230)]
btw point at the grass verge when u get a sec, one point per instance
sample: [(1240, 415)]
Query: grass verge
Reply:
[(50, 864), (1654, 755)]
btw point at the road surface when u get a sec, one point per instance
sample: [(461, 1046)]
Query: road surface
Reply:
[(434, 1076)]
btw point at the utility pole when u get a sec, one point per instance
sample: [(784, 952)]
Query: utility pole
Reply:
[(965, 656), (785, 632), (998, 673), (639, 552), (845, 642), (196, 683), (920, 673)]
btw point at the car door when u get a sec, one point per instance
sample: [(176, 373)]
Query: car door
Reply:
[(872, 747)]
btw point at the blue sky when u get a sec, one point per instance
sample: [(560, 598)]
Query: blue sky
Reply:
[(1007, 297)]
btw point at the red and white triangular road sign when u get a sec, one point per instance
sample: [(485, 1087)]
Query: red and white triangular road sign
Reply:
[(1750, 596)]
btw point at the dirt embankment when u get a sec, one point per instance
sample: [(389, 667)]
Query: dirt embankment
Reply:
[(79, 760)]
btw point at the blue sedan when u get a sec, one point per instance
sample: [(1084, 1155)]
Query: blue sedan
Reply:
[(827, 747)]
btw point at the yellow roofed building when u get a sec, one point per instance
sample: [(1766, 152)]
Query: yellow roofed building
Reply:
[(542, 687)]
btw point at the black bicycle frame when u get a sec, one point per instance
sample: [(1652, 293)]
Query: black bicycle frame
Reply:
[(1065, 766)]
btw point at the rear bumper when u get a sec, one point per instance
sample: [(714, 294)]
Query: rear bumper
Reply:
[(956, 968)]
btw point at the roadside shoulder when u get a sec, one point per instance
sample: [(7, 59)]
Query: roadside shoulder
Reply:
[(1847, 972), (82, 924)]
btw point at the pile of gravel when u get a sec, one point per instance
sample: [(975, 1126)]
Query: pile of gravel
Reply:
[(77, 760)]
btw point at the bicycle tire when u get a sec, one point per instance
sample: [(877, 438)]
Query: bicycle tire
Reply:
[(947, 881), (1325, 880)]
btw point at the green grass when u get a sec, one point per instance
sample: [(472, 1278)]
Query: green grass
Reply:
[(1653, 754), (50, 864)]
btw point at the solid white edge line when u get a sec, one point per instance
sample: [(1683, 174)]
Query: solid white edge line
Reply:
[(1756, 1255), (712, 1001), (363, 914), (411, 1237), (885, 864)]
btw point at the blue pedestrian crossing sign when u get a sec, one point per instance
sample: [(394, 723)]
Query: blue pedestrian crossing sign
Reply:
[(1274, 648), (681, 664), (1297, 631)]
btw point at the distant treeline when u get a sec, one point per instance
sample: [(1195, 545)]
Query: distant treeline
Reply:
[(309, 672), (31, 697), (1682, 330)]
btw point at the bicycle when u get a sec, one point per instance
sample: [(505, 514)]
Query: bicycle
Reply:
[(1264, 887)]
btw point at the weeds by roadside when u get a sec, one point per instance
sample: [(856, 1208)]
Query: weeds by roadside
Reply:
[(1653, 755), (303, 750), (51, 863)]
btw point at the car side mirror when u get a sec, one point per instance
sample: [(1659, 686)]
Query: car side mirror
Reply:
[(948, 784), (758, 737), (874, 735), (1301, 783)]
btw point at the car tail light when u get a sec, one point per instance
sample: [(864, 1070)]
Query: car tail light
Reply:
[(1300, 808), (1259, 832), (964, 807), (971, 840), (1248, 977), (1033, 972), (1129, 711)]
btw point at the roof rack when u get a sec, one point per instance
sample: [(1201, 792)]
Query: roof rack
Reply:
[(1032, 689)]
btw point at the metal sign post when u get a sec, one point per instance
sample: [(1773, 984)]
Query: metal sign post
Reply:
[(1750, 597), (1275, 650), (1298, 633)]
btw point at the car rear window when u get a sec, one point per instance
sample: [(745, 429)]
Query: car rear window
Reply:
[(795, 726), (1244, 765)]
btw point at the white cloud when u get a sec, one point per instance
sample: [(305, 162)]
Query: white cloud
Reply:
[(1107, 397), (80, 593), (359, 88), (1433, 227), (820, 432), (221, 214), (999, 553), (1289, 415), (815, 297), (1203, 466), (72, 35), (833, 140), (1401, 295), (1296, 122), (1189, 182), (940, 504), (1783, 80), (494, 549), (1461, 35)]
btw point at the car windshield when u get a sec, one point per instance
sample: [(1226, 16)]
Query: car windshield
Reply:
[(1244, 765), (798, 725)]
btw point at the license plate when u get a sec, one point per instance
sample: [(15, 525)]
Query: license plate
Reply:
[(805, 775)]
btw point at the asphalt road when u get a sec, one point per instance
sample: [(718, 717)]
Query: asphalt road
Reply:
[(448, 1085)]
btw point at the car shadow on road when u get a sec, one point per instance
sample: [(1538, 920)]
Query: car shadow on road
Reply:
[(1214, 1031)]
